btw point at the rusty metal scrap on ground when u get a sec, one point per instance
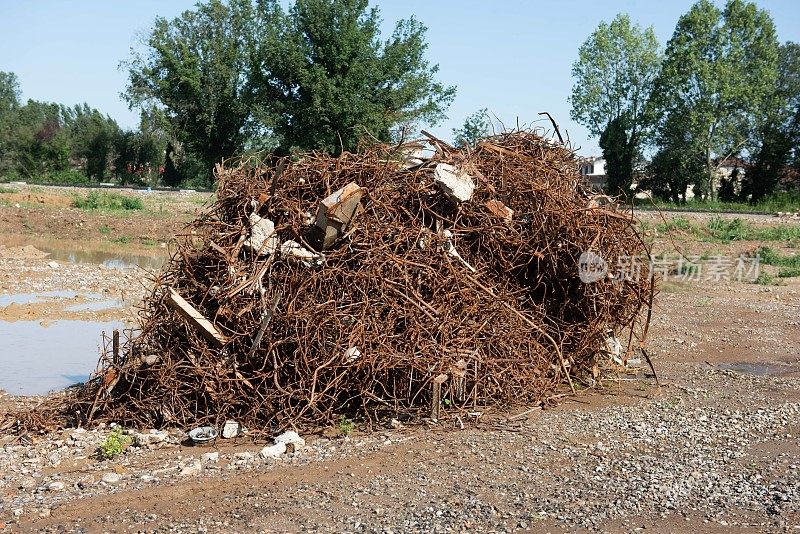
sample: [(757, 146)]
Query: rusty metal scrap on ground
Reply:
[(405, 274)]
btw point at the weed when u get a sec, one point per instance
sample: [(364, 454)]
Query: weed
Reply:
[(5, 190), (789, 264), (764, 279), (114, 444), (346, 426), (122, 240), (677, 223), (97, 200), (105, 230), (146, 241), (789, 272)]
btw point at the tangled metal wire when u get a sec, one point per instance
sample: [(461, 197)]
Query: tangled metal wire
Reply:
[(422, 299)]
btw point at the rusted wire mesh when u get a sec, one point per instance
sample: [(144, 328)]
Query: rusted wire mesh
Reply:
[(419, 287)]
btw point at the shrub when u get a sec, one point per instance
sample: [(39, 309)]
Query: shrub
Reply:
[(97, 200), (114, 444)]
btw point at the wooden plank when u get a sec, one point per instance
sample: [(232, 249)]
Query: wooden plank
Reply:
[(203, 325)]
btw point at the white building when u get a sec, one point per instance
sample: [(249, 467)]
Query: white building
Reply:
[(593, 169)]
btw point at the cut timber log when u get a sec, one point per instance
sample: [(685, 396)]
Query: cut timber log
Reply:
[(203, 325)]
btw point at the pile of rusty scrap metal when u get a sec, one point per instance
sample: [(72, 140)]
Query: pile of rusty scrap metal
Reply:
[(404, 281)]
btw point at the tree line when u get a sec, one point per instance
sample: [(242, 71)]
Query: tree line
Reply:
[(722, 88), (233, 77)]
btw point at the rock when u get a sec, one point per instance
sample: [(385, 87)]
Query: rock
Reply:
[(192, 468), (273, 451), (457, 185), (53, 265), (244, 456), (396, 424), (151, 359), (352, 354), (210, 458), (262, 238), (111, 478), (295, 251), (54, 459), (290, 437), (150, 439), (56, 486), (231, 429), (500, 209), (336, 214)]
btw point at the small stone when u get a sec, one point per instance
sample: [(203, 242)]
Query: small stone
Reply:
[(150, 439), (54, 459), (53, 265), (245, 456), (273, 451), (210, 458), (111, 478), (56, 486), (192, 468)]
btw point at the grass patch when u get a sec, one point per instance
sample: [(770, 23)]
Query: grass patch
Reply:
[(97, 200), (121, 240), (7, 190), (789, 263), (772, 204), (722, 230), (146, 241), (765, 279), (105, 230), (677, 223)]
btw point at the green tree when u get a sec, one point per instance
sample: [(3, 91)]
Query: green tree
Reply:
[(719, 68), (779, 136), (619, 156), (475, 127), (195, 71), (325, 80), (93, 138), (614, 76), (9, 105), (678, 163), (40, 143)]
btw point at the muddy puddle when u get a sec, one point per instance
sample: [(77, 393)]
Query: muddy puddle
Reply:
[(762, 368), (97, 254), (37, 357)]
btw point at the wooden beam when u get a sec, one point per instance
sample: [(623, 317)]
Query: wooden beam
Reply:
[(189, 312)]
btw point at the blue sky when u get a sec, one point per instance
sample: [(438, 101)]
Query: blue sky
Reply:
[(513, 57)]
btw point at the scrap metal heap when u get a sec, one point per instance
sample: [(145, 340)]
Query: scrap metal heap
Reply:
[(389, 283)]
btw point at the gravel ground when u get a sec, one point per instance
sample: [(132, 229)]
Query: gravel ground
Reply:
[(714, 448)]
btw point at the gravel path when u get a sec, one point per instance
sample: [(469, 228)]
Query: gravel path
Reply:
[(714, 448)]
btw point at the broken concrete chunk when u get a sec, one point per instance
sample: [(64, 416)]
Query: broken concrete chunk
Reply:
[(457, 185), (231, 429), (352, 354), (292, 437), (295, 251), (336, 214), (262, 240), (192, 468), (500, 209), (273, 451)]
